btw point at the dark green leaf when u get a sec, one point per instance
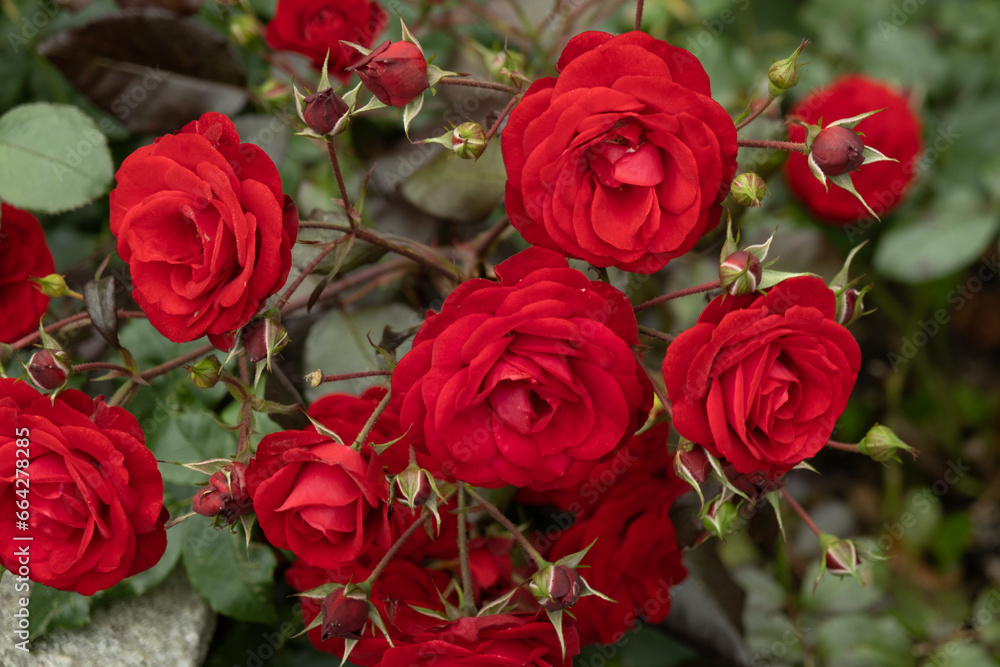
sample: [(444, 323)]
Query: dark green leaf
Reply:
[(102, 305), (51, 609)]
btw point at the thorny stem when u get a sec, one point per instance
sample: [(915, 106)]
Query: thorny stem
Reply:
[(168, 366), (687, 291), (638, 14), (801, 512), (104, 366), (657, 389), (397, 545), (495, 512), (468, 606), (354, 376), (72, 319), (309, 269), (370, 424), (658, 335), (246, 413), (772, 145), (503, 114), (491, 237), (363, 277), (472, 83), (369, 236), (352, 216), (761, 108)]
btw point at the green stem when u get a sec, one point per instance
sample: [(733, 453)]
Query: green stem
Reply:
[(468, 606), (473, 83), (842, 446), (658, 335), (397, 545), (370, 424)]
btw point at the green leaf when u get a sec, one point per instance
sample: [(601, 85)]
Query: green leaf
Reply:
[(102, 306), (937, 241), (864, 641), (52, 158), (233, 582), (51, 609), (187, 438), (455, 190)]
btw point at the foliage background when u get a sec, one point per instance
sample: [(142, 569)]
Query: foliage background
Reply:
[(933, 601)]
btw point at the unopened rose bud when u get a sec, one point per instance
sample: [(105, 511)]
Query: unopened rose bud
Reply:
[(784, 74), (557, 587), (882, 444), (837, 150), (322, 110), (468, 140), (52, 285), (841, 556), (48, 369), (205, 373), (692, 464), (226, 495), (414, 487), (263, 338), (719, 518), (343, 617), (244, 28), (740, 273), (748, 189), (395, 72)]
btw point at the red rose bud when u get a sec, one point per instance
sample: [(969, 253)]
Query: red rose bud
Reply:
[(837, 150), (740, 273), (414, 486), (49, 370), (563, 587), (840, 557), (692, 464), (784, 74), (226, 495), (468, 141), (343, 617), (748, 189), (263, 338), (322, 110), (395, 72)]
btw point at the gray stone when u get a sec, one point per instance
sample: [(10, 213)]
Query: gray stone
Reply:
[(170, 626)]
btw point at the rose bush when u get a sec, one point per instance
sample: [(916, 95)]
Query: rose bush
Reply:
[(529, 381), (313, 27), (202, 224), (91, 491), (23, 254), (761, 380), (896, 132), (323, 501), (624, 158)]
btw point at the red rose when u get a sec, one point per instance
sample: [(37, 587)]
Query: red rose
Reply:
[(226, 495), (761, 380), (529, 381), (895, 132), (325, 502), (516, 640), (400, 588), (314, 27), (346, 415), (80, 476), (624, 159), (635, 560), (202, 224), (395, 73), (23, 254)]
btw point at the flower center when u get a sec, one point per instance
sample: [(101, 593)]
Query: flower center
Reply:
[(625, 158)]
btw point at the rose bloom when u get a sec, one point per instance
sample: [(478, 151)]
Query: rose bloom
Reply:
[(202, 224), (635, 559), (78, 473), (395, 73), (323, 501), (529, 381), (624, 158), (895, 132), (513, 639), (23, 254), (313, 27), (761, 380)]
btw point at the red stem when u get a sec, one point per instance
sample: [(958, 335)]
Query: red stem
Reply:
[(472, 83), (801, 512), (503, 114), (772, 145), (638, 15), (705, 287), (354, 376), (72, 319), (760, 109)]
